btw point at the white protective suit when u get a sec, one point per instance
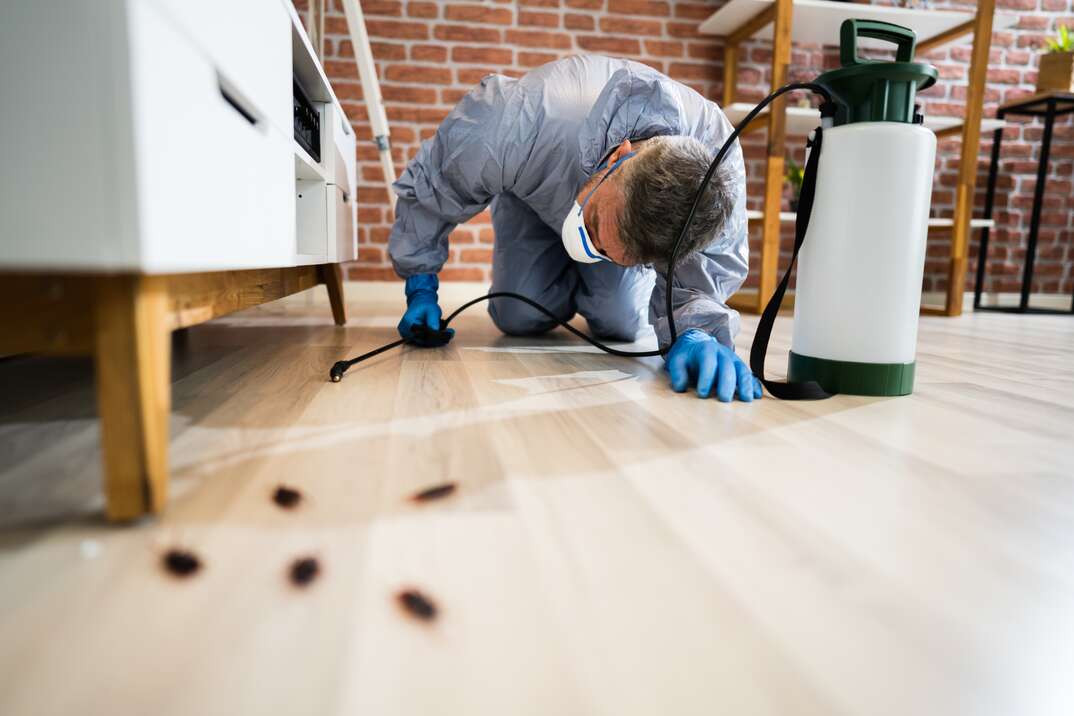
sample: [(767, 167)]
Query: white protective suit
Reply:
[(527, 146)]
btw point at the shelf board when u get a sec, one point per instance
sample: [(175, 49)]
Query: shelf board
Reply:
[(745, 300), (803, 120), (788, 217), (306, 167), (818, 21), (974, 223), (784, 216), (938, 123)]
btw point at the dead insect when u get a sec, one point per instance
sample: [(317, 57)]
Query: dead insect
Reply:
[(436, 492), (304, 570), (416, 605), (181, 563), (286, 497)]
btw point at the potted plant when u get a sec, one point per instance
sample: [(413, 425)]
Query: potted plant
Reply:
[(794, 178), (1057, 63)]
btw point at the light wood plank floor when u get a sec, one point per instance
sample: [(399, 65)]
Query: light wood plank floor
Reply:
[(614, 548)]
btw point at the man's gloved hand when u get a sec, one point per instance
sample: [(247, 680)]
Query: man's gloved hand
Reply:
[(696, 357), (421, 322)]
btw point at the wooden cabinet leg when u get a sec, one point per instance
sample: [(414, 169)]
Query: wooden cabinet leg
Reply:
[(332, 275), (133, 362)]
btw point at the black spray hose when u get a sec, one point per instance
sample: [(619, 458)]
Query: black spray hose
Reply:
[(336, 374), (341, 367)]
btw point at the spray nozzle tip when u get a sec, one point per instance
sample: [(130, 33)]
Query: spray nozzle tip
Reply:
[(336, 374)]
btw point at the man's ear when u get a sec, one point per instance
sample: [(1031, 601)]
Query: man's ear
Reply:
[(621, 151)]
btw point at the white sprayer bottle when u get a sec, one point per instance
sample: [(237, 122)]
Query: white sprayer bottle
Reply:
[(858, 292)]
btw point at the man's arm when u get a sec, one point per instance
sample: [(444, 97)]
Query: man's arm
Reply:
[(454, 176)]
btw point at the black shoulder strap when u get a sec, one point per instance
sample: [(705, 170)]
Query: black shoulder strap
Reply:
[(789, 391)]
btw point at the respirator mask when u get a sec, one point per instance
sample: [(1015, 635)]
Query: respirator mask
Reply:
[(576, 239)]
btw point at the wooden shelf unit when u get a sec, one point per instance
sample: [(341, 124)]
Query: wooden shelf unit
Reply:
[(818, 21)]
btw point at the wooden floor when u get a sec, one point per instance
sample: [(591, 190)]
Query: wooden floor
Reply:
[(613, 549)]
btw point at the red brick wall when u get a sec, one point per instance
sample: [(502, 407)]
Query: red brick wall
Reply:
[(1012, 74), (429, 53)]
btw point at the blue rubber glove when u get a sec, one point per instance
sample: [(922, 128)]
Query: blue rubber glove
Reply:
[(696, 357), (421, 322)]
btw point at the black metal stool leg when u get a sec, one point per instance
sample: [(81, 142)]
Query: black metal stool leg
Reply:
[(1038, 201), (990, 195)]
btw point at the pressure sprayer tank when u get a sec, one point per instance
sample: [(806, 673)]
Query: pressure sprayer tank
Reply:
[(858, 290)]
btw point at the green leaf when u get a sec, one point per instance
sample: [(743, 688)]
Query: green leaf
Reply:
[(1064, 42)]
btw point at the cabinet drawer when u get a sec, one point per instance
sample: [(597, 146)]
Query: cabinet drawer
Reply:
[(325, 222), (337, 138), (342, 230), (248, 42), (214, 189)]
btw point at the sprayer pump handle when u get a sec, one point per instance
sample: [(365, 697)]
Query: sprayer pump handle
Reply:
[(904, 39)]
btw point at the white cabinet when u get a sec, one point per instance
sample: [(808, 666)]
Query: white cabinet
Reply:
[(157, 136)]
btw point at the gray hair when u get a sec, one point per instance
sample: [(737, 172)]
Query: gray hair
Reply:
[(658, 188)]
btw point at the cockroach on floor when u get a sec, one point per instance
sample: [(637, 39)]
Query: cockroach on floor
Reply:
[(416, 605), (181, 563), (286, 497), (436, 492)]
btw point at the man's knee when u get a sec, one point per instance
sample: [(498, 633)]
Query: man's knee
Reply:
[(615, 300), (516, 318), (618, 323)]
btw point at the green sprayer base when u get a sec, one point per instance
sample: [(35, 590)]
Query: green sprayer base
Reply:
[(837, 376)]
